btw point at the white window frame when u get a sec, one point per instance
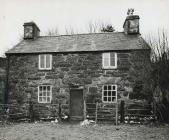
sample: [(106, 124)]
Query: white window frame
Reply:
[(111, 95), (45, 68), (46, 94), (109, 66)]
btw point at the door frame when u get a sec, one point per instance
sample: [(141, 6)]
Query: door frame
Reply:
[(83, 98)]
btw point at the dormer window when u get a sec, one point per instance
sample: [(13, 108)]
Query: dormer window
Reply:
[(45, 62), (109, 60)]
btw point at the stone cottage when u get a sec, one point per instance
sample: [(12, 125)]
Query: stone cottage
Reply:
[(71, 69)]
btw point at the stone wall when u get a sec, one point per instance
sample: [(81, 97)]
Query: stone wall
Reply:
[(2, 79), (80, 69)]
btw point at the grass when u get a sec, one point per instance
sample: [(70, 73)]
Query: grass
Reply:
[(52, 131)]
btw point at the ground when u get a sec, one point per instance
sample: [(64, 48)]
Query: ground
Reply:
[(53, 131)]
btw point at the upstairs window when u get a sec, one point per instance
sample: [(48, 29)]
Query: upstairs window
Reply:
[(109, 93), (44, 94), (109, 60), (45, 61)]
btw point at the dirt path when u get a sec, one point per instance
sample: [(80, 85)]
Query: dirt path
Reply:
[(49, 131)]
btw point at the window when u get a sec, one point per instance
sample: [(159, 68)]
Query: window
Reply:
[(44, 94), (45, 61), (109, 60), (109, 93)]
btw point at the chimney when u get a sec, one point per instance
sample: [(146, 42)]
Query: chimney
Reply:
[(131, 24), (31, 30)]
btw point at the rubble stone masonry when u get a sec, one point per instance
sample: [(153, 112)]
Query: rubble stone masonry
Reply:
[(80, 69)]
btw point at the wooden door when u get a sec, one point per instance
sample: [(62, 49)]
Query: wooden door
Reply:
[(76, 104)]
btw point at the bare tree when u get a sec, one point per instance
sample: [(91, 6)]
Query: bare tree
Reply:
[(160, 73), (94, 27), (69, 30), (52, 32), (98, 27)]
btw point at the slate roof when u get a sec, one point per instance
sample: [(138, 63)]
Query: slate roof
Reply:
[(81, 43)]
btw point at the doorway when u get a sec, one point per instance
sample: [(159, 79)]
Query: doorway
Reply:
[(76, 104)]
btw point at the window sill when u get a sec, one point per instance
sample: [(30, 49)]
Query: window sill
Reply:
[(44, 102), (109, 102), (45, 69), (109, 68)]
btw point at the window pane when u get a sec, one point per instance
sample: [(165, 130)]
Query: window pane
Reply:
[(112, 62), (109, 87), (105, 87), (40, 88), (44, 94), (113, 93), (113, 99), (106, 62), (43, 99), (48, 93), (112, 59), (112, 55), (42, 60), (48, 99), (106, 57), (48, 88), (44, 88), (40, 93), (109, 93), (48, 61), (105, 93), (109, 99), (114, 87), (105, 98), (40, 99)]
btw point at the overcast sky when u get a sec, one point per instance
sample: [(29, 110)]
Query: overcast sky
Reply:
[(48, 14)]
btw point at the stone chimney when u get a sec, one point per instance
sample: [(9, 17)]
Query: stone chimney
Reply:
[(31, 30), (131, 24)]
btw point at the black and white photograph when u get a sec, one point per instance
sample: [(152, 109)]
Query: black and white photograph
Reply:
[(84, 69)]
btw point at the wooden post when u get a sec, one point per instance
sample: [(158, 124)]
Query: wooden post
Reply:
[(154, 109), (96, 112), (31, 111), (116, 113), (122, 112), (59, 112), (84, 110)]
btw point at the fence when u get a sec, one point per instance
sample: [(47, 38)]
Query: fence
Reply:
[(136, 112), (32, 112), (48, 112), (112, 112), (102, 112), (13, 112)]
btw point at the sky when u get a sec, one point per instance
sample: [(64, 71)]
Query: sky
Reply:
[(77, 14)]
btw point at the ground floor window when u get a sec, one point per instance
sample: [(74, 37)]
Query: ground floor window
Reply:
[(44, 94), (109, 93)]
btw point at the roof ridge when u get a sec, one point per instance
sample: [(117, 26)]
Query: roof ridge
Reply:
[(81, 34)]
